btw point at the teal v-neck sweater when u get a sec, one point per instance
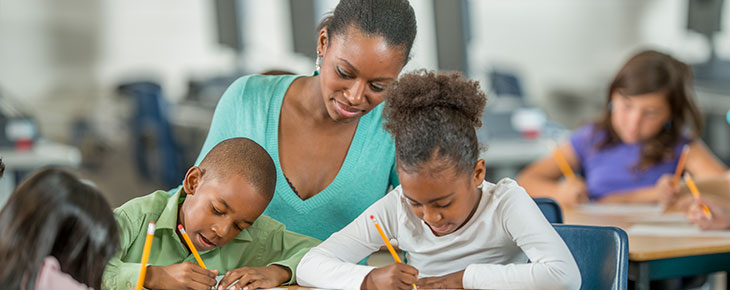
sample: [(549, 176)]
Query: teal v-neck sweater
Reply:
[(250, 108)]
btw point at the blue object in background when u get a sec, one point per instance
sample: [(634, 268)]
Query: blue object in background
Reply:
[(728, 116), (156, 152)]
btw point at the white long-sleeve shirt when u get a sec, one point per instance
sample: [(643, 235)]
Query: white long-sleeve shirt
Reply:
[(493, 247)]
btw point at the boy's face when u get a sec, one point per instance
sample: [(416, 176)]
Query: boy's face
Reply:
[(217, 209), (444, 200)]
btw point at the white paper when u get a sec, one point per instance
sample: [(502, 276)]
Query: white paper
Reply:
[(220, 277), (621, 209), (675, 231)]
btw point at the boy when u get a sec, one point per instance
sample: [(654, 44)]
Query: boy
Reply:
[(219, 206)]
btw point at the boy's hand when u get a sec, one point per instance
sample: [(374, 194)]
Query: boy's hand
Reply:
[(255, 277), (186, 275), (394, 276), (452, 281)]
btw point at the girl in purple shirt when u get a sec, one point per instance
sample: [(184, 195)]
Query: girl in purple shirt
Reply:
[(631, 152)]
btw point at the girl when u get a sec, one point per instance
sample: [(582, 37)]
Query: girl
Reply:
[(630, 154), (458, 230), (56, 232)]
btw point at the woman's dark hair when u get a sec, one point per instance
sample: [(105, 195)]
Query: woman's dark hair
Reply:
[(651, 72), (53, 213), (394, 20), (434, 116)]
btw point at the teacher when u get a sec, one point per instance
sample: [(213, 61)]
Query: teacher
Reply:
[(325, 132)]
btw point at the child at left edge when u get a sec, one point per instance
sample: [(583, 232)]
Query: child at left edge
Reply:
[(220, 206)]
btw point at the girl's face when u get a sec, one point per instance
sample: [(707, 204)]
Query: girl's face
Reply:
[(445, 200), (640, 117), (356, 70)]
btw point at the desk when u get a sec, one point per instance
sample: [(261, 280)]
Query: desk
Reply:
[(655, 257), (43, 153)]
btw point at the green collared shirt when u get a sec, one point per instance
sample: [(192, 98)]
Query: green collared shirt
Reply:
[(264, 243)]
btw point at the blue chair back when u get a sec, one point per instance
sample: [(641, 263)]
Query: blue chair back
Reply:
[(602, 255), (550, 209)]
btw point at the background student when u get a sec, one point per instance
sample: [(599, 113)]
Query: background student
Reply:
[(220, 206), (458, 230), (325, 130), (629, 155), (56, 232)]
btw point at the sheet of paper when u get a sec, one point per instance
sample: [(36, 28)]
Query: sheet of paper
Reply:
[(675, 231), (621, 209), (219, 277)]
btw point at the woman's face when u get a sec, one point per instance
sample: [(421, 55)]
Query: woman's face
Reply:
[(640, 117), (355, 72)]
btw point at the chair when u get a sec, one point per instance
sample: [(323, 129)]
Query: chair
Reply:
[(550, 209), (156, 152), (602, 254)]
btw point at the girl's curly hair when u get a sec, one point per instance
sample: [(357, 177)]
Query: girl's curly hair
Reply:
[(433, 115)]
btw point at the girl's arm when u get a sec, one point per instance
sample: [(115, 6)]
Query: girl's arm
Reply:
[(701, 163), (333, 264), (543, 179), (552, 265)]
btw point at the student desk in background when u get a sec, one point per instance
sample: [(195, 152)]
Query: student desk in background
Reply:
[(42, 153), (660, 245)]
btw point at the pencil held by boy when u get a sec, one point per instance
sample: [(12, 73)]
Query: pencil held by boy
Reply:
[(458, 230), (56, 232), (219, 207)]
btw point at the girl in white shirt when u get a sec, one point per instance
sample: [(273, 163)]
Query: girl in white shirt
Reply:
[(458, 230)]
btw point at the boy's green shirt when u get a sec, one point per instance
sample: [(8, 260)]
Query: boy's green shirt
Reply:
[(264, 243)]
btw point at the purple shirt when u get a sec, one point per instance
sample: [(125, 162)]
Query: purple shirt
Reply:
[(611, 170)]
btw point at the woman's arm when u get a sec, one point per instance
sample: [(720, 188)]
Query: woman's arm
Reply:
[(542, 179)]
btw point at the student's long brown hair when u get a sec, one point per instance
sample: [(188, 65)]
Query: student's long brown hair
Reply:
[(649, 72), (53, 213)]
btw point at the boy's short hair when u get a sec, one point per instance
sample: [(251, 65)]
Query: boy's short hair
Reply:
[(243, 157)]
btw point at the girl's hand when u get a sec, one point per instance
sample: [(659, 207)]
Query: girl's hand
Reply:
[(450, 281), (720, 219), (394, 276), (249, 278), (666, 193), (572, 192)]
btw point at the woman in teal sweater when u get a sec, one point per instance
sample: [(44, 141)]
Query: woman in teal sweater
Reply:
[(324, 132)]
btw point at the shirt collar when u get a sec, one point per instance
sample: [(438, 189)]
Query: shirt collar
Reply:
[(168, 218)]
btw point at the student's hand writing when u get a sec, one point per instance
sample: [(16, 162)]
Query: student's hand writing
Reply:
[(186, 275), (450, 281), (572, 192), (250, 278), (394, 276), (720, 219), (665, 191)]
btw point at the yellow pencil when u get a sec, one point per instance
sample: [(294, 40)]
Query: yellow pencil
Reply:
[(696, 194), (680, 165), (146, 254), (563, 164), (191, 246), (388, 245)]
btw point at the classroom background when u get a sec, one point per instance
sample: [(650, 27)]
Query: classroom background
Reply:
[(123, 92)]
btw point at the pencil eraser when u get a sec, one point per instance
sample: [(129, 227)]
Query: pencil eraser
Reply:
[(372, 217), (179, 227)]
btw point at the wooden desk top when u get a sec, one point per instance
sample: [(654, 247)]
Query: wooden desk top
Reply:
[(647, 247)]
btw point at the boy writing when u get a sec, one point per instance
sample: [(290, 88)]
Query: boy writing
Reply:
[(219, 206)]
